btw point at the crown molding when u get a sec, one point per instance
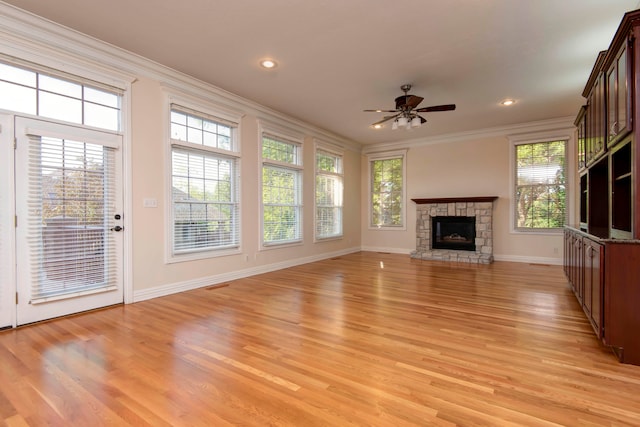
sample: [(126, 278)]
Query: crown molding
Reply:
[(31, 37), (505, 131)]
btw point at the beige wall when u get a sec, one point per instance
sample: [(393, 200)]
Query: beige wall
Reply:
[(149, 168), (474, 167)]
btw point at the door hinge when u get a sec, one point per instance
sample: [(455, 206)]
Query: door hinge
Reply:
[(15, 222), (15, 142), (16, 298)]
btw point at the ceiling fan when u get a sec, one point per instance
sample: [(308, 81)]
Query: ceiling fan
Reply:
[(406, 112)]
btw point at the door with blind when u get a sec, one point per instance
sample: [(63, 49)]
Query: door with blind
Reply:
[(69, 233)]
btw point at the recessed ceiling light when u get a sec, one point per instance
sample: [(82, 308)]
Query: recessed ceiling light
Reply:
[(507, 102), (268, 63), (378, 126)]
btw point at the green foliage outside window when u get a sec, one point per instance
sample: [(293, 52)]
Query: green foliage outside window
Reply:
[(386, 192), (329, 195), (541, 185), (279, 151), (281, 192)]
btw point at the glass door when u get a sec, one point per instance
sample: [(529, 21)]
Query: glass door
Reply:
[(69, 230)]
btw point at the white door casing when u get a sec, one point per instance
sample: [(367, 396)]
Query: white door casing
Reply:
[(69, 236)]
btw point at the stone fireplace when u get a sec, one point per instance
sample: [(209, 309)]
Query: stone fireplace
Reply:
[(455, 229)]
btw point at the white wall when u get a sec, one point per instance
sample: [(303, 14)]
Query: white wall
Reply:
[(145, 112), (151, 274), (471, 166)]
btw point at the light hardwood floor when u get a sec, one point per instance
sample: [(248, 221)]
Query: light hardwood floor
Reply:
[(362, 339)]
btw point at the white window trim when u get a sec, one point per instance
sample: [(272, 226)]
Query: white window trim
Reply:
[(387, 155), (565, 134), (212, 111), (329, 148), (266, 128)]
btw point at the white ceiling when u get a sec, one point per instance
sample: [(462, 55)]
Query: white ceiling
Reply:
[(338, 57)]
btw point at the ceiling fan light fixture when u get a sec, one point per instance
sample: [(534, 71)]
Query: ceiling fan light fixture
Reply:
[(507, 102), (378, 126), (406, 112)]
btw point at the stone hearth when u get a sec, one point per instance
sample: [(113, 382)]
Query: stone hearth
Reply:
[(479, 207)]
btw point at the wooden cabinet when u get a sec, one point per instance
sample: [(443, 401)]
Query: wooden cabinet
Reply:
[(596, 129), (593, 270), (619, 122), (621, 186), (621, 299), (602, 252), (581, 125), (584, 260)]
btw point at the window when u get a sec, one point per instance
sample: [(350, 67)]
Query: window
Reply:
[(204, 183), (540, 193), (329, 194), (44, 95), (387, 191), (281, 191)]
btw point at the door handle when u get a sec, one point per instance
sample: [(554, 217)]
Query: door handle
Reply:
[(117, 228)]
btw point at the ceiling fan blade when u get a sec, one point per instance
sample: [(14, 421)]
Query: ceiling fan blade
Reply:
[(408, 101), (446, 107), (380, 111), (385, 119), (413, 101)]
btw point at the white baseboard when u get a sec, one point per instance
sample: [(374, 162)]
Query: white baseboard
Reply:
[(389, 250), (528, 259), (201, 282), (509, 258)]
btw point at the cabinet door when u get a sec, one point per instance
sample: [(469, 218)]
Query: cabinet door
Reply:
[(596, 121), (619, 97), (566, 260), (578, 283), (581, 125), (587, 296), (593, 270)]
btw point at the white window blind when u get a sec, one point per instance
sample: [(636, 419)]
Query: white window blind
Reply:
[(329, 194), (540, 193), (281, 191), (205, 201), (71, 205), (204, 182)]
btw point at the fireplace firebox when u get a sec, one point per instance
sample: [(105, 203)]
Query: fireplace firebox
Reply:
[(453, 232)]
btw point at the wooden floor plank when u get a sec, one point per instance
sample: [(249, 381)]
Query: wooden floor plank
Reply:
[(362, 339)]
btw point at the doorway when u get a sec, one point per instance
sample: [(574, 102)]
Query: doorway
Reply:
[(68, 241)]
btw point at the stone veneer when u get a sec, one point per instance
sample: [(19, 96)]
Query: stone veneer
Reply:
[(480, 207)]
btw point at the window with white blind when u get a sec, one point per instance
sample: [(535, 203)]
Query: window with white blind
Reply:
[(387, 190), (329, 194), (204, 184), (52, 95), (281, 191), (540, 185)]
